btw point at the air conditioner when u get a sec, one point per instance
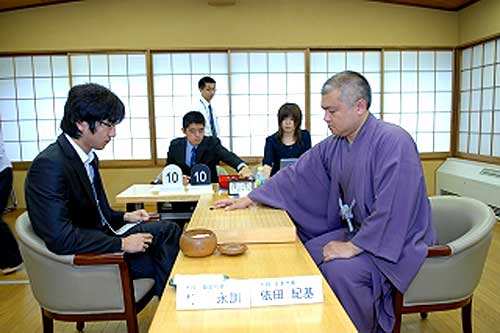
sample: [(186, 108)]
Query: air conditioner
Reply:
[(466, 178)]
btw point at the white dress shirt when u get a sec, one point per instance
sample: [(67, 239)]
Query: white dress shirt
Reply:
[(203, 108), (4, 160), (86, 158)]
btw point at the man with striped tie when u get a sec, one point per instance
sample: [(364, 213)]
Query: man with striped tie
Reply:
[(207, 92)]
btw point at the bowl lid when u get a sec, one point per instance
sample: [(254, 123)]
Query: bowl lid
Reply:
[(232, 249)]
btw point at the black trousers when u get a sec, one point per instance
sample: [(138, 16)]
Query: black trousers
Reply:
[(159, 258), (9, 251)]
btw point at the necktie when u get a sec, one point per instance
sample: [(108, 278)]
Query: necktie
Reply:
[(192, 161), (92, 172), (212, 121)]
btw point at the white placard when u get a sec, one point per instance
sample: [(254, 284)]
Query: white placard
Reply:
[(286, 290), (210, 294), (172, 177), (196, 292)]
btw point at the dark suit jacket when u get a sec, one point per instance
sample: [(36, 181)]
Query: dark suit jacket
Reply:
[(210, 152), (61, 204)]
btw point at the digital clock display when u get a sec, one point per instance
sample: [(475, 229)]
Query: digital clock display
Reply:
[(240, 187)]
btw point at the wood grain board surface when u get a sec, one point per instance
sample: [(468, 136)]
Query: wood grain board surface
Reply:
[(256, 224), (259, 261)]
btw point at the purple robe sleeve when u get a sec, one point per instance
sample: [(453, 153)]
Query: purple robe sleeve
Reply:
[(303, 190)]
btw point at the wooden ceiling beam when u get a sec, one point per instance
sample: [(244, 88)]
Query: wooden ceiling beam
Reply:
[(10, 5), (450, 5)]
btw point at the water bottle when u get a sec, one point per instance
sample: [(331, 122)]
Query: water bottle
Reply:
[(260, 178)]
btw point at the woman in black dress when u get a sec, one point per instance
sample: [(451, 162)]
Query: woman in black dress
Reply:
[(288, 142)]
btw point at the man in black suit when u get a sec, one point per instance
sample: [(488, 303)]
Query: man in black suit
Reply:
[(195, 148), (66, 201)]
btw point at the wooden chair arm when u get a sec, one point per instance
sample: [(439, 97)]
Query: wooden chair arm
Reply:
[(438, 251), (99, 259)]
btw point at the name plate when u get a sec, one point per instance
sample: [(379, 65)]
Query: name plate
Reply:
[(194, 293), (305, 289), (225, 294)]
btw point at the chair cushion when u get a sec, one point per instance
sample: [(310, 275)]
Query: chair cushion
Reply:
[(141, 287)]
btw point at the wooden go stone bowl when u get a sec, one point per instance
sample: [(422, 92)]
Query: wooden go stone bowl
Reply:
[(198, 243)]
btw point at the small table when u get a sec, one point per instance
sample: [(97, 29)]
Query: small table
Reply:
[(141, 193), (136, 195)]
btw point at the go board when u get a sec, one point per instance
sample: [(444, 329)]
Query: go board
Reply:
[(256, 224)]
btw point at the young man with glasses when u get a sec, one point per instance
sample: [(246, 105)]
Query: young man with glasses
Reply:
[(66, 201)]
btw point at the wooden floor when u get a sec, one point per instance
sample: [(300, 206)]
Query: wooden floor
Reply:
[(19, 312)]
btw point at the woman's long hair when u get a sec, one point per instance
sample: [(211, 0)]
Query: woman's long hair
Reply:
[(290, 110)]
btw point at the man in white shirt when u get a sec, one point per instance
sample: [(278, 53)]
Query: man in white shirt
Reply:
[(207, 91)]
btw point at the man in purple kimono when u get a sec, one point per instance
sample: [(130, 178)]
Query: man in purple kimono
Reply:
[(359, 201)]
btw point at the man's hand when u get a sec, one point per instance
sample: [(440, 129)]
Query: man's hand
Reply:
[(136, 216), (340, 250), (136, 242), (232, 204), (245, 172), (185, 180)]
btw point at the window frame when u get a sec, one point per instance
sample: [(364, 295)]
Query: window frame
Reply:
[(457, 96), (425, 155), (308, 92), (118, 163), (33, 77), (159, 162)]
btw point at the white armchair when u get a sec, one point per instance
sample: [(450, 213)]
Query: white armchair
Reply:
[(453, 268), (81, 287)]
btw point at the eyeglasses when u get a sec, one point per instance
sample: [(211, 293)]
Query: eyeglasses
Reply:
[(107, 124)]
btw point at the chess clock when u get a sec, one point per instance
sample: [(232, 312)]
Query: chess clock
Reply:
[(240, 187)]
